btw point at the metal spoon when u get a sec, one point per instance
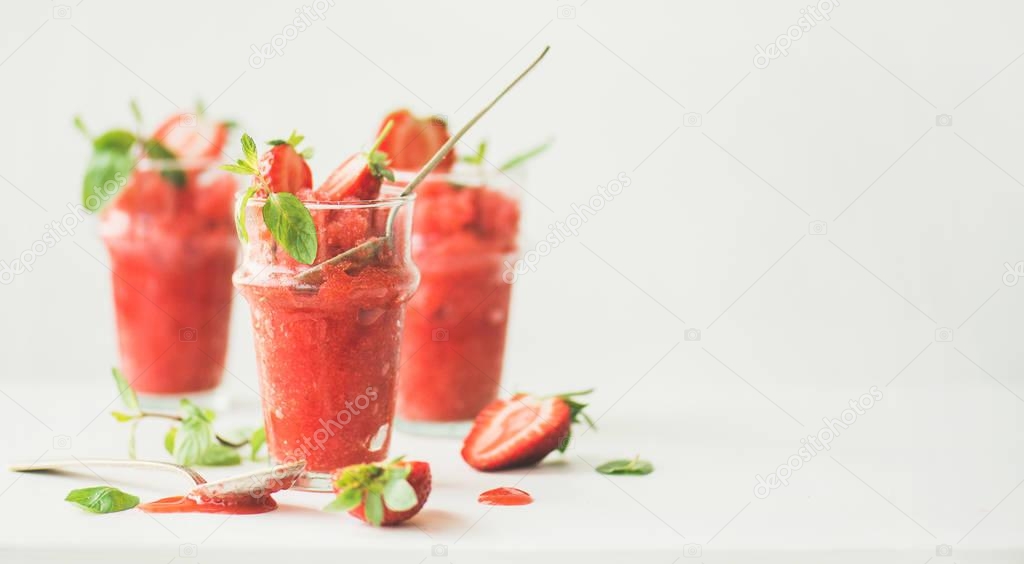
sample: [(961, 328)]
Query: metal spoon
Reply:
[(257, 484)]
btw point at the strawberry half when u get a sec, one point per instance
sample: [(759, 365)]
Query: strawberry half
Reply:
[(190, 137), (360, 176), (414, 140), (283, 168), (521, 430), (381, 494)]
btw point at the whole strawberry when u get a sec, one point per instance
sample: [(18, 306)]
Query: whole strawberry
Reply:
[(381, 494), (521, 430)]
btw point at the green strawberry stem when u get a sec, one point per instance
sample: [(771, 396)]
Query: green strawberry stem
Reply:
[(311, 275)]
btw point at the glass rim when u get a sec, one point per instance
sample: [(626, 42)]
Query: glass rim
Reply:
[(396, 200)]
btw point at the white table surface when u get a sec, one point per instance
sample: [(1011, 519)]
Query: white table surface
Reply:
[(921, 468)]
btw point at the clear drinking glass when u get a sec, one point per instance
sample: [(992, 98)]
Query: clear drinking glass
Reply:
[(327, 344), (172, 251), (465, 235)]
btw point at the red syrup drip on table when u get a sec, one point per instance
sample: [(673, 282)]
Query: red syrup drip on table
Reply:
[(505, 496), (233, 505)]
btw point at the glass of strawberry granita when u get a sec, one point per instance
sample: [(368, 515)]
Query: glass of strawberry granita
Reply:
[(466, 228), (327, 346), (172, 244)]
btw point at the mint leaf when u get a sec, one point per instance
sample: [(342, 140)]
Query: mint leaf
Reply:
[(256, 441), (80, 126), (399, 495), (248, 165), (625, 466), (105, 175), (478, 158), (131, 401), (123, 417), (291, 225), (120, 140), (249, 149), (243, 233), (219, 455), (102, 499), (195, 435), (346, 500), (136, 112), (521, 158), (169, 440), (169, 169), (373, 509)]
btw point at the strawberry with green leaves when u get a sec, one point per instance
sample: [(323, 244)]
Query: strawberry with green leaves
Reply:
[(381, 494), (522, 430), (360, 176)]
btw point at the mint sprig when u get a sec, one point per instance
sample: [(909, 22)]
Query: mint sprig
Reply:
[(108, 168), (102, 499), (192, 440), (626, 466), (285, 216)]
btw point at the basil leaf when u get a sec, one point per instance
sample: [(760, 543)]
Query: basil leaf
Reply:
[(169, 440), (399, 495), (291, 225), (219, 455), (131, 401), (373, 509), (170, 168), (243, 233), (256, 441), (346, 500), (102, 499), (107, 173), (625, 466)]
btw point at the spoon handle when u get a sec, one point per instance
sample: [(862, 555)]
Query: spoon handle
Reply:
[(89, 462)]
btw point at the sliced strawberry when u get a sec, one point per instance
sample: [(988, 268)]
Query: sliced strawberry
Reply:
[(520, 431), (284, 169), (382, 494), (191, 137), (359, 177), (414, 140)]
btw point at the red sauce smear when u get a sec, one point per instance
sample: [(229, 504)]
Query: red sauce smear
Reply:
[(233, 505), (505, 496)]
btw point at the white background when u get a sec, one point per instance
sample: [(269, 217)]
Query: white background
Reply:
[(712, 234)]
